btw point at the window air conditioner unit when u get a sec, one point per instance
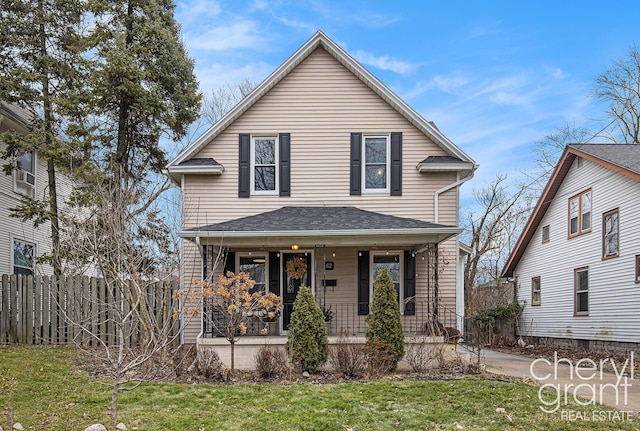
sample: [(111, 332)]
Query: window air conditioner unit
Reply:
[(25, 178)]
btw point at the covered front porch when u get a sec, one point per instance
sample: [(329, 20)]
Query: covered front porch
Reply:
[(337, 251)]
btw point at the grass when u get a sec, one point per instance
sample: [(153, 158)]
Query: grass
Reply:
[(47, 392)]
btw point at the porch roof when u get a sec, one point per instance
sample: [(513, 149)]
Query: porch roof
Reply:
[(307, 226)]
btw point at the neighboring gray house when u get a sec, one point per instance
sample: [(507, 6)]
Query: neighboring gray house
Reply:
[(577, 263), (21, 242)]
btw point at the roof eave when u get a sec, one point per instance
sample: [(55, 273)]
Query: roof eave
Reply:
[(549, 193), (445, 167), (370, 237)]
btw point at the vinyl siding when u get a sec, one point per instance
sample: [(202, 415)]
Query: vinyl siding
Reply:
[(320, 103), (13, 228), (613, 294)]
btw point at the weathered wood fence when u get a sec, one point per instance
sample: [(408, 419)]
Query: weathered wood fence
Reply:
[(85, 310)]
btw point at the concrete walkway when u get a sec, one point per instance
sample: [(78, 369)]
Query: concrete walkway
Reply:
[(567, 379)]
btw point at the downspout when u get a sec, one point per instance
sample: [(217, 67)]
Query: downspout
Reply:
[(459, 288), (458, 183)]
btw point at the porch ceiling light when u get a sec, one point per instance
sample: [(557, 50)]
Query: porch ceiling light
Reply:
[(295, 247)]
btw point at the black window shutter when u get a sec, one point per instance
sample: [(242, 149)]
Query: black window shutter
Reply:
[(285, 164), (396, 164), (409, 283), (363, 283), (356, 164), (244, 168), (274, 273), (230, 262)]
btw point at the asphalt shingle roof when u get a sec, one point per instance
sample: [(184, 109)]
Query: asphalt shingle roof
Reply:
[(318, 219), (441, 159), (623, 155), (200, 162)]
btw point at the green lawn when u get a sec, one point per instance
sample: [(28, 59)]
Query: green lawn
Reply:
[(48, 393)]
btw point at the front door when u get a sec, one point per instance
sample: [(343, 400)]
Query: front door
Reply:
[(296, 272)]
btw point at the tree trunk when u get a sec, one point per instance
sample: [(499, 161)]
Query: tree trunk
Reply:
[(114, 403), (49, 141), (233, 345)]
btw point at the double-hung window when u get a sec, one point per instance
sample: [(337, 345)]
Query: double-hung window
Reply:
[(610, 238), (376, 166), (580, 213), (23, 257), (581, 287), (264, 165)]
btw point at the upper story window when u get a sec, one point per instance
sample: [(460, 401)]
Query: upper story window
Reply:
[(25, 174), (580, 213), (375, 168), (23, 257), (546, 233), (610, 227), (264, 166)]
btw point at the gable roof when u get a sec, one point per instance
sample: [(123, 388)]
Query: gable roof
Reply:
[(621, 158), (319, 39)]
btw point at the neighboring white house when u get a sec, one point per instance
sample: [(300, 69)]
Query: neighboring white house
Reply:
[(21, 242), (577, 262), (325, 169)]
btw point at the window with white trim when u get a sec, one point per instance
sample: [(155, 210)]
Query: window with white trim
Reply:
[(264, 165), (25, 174), (580, 213), (377, 161), (610, 238), (581, 281), (23, 257), (392, 262), (256, 267)]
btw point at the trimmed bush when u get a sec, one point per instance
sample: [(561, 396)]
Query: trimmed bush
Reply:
[(307, 340), (384, 325)]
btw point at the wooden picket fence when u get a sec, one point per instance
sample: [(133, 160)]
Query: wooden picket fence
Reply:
[(81, 310)]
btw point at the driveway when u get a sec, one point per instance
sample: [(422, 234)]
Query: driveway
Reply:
[(567, 379)]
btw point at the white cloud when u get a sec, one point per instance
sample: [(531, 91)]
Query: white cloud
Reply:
[(190, 11), (216, 75), (384, 62), (240, 34)]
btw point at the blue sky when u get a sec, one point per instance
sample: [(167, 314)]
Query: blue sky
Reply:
[(494, 76)]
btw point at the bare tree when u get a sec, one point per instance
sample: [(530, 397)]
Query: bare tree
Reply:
[(493, 231), (139, 305), (549, 149), (222, 100), (619, 86)]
